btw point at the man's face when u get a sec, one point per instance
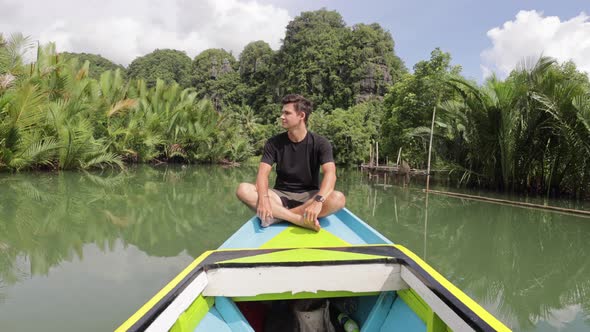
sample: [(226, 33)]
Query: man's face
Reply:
[(290, 117)]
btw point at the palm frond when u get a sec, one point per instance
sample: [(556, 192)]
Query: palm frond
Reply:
[(104, 159), (42, 152), (122, 105), (25, 110)]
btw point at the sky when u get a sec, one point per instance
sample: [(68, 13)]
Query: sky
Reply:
[(484, 37)]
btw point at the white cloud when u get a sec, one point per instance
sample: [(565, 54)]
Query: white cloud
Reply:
[(530, 35), (121, 31)]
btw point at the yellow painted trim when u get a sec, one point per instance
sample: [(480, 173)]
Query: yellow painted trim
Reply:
[(303, 255), (298, 237), (156, 298), (435, 324), (474, 306), (191, 317), (309, 245), (422, 310)]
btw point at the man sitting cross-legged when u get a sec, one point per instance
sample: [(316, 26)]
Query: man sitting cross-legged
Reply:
[(297, 196)]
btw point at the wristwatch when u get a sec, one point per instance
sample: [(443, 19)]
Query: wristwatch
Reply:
[(320, 198)]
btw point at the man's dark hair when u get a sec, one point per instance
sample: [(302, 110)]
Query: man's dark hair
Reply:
[(301, 104)]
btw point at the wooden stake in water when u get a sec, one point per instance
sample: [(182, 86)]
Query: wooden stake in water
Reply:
[(377, 152), (430, 150)]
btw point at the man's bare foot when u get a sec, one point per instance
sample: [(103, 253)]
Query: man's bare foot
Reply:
[(315, 225), (268, 222)]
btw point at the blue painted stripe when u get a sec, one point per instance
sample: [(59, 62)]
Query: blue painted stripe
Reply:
[(402, 318), (251, 235), (379, 312), (335, 226), (212, 322), (345, 225), (232, 315)]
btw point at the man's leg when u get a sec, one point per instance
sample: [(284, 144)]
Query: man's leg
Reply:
[(247, 193), (333, 203)]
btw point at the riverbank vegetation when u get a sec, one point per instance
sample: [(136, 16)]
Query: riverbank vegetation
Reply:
[(529, 132)]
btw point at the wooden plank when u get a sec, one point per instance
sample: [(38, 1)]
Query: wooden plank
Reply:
[(169, 316), (239, 282)]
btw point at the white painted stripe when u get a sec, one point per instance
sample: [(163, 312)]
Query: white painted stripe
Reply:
[(445, 313), (232, 282), (169, 316)]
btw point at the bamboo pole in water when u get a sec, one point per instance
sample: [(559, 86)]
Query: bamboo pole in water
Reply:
[(514, 203), (425, 224), (430, 150)]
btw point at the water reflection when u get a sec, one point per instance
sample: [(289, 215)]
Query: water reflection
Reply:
[(161, 211), (530, 268), (526, 266), (48, 220)]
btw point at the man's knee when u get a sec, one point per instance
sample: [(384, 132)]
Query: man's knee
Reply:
[(244, 190), (338, 200)]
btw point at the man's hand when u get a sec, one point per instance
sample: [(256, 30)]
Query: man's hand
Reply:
[(264, 210), (310, 215)]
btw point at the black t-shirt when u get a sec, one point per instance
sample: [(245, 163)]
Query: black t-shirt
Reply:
[(298, 164)]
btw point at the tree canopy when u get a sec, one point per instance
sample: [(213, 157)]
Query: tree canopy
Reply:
[(166, 64), (98, 64), (214, 75), (310, 61), (334, 65), (255, 67), (372, 61), (410, 102)]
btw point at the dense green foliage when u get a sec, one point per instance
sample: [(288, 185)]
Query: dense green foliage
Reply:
[(332, 64), (255, 72), (168, 65), (311, 57), (350, 131), (98, 64), (373, 65), (409, 105), (55, 116), (529, 132), (215, 77)]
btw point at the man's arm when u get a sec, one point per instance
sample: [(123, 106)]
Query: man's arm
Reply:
[(329, 180), (326, 188), (263, 208)]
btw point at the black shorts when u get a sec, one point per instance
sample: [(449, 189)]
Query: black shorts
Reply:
[(291, 200)]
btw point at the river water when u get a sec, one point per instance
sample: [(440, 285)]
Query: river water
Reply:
[(83, 251)]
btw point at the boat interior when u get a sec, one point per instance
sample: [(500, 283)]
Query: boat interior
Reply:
[(388, 311)]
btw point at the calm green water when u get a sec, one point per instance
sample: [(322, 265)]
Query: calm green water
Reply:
[(83, 251)]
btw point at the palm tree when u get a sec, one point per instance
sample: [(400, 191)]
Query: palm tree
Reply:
[(44, 117), (524, 133)]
